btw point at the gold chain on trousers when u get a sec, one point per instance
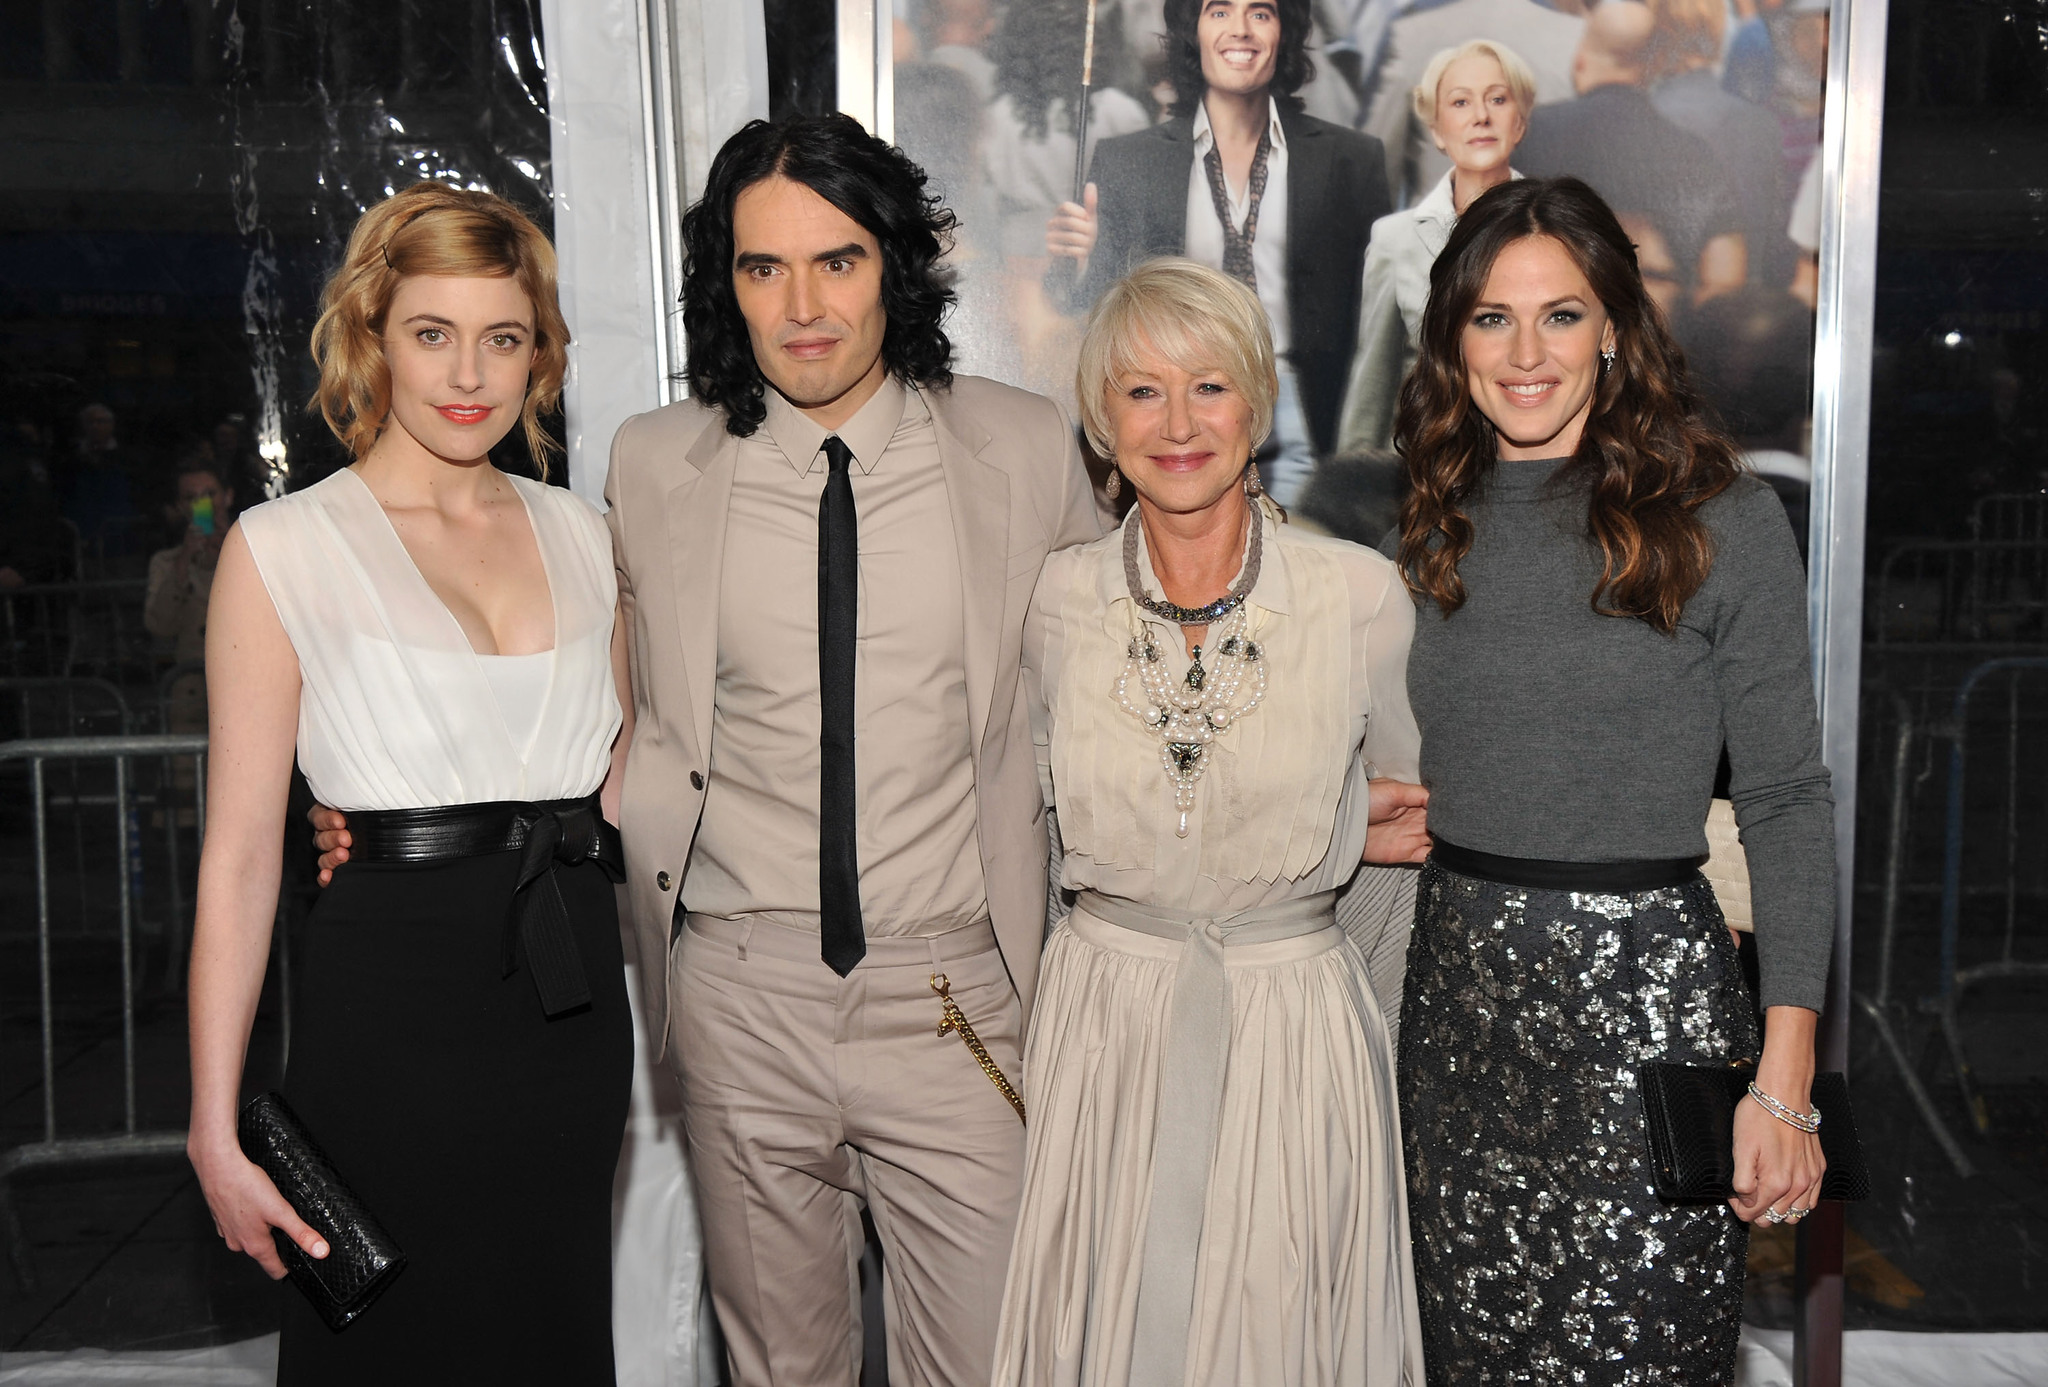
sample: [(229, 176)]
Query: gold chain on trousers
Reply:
[(951, 1018)]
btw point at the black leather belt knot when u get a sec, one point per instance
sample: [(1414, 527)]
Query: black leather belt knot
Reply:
[(548, 834), (1541, 874)]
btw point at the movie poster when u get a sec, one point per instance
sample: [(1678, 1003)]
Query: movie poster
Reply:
[(1699, 121)]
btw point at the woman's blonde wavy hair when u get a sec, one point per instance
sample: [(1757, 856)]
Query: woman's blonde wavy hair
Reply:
[(431, 229), (1198, 318)]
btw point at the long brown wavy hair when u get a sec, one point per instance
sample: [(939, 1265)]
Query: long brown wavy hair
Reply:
[(1650, 455)]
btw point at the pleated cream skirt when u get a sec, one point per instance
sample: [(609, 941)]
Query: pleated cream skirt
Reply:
[(1304, 1277)]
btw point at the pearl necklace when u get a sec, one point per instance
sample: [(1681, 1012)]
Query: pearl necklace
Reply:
[(1189, 715)]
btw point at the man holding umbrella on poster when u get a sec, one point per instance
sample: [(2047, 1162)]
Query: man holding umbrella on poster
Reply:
[(1242, 180)]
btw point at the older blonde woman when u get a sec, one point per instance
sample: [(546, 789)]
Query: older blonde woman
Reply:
[(1213, 1191), (1475, 101)]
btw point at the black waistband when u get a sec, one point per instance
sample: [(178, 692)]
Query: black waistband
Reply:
[(1650, 874), (548, 833)]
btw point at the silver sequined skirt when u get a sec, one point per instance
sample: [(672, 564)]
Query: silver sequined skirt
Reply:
[(1542, 1253)]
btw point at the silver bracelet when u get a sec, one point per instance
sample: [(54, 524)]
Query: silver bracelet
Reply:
[(1808, 1123)]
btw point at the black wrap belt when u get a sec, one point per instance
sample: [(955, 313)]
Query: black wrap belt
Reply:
[(548, 834), (1539, 874)]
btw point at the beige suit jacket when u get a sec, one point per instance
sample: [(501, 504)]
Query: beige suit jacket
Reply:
[(1017, 491)]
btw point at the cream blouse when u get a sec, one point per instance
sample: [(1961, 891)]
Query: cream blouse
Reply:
[(1281, 811), (396, 708)]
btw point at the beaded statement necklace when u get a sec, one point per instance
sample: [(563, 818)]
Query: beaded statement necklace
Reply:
[(1188, 715)]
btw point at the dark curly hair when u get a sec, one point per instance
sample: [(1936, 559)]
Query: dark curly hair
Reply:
[(869, 181), (1292, 67), (1651, 453), (1037, 53)]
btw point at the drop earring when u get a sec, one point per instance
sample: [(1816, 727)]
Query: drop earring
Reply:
[(1113, 484), (1254, 488), (1606, 360)]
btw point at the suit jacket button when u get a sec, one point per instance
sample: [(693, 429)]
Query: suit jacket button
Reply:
[(696, 781), (661, 879)]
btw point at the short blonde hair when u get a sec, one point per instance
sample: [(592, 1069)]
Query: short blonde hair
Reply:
[(431, 229), (1521, 80), (1197, 318)]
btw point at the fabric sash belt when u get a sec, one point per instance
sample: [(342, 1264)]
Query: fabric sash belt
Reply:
[(547, 834), (1538, 874), (1190, 1097)]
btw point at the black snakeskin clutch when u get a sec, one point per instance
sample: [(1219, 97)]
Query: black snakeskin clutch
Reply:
[(1689, 1110), (361, 1258)]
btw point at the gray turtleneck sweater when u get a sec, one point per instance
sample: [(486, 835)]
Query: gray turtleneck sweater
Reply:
[(1549, 731)]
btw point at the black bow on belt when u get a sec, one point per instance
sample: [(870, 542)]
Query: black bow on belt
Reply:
[(548, 835), (539, 919)]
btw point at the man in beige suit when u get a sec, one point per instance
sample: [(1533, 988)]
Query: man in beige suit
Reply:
[(831, 810)]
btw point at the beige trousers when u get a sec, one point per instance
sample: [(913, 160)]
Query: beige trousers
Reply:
[(806, 1094)]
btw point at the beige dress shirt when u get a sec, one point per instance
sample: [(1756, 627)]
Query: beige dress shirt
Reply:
[(1269, 247), (756, 850)]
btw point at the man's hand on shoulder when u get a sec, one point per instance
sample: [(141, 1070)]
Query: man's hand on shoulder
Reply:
[(330, 837)]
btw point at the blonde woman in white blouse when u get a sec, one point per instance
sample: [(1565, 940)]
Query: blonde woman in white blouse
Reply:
[(436, 642), (1475, 101), (1213, 1192)]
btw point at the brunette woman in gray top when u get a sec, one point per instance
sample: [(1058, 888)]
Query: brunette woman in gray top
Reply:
[(1605, 598)]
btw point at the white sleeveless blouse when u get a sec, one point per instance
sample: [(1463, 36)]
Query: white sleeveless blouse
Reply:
[(396, 709)]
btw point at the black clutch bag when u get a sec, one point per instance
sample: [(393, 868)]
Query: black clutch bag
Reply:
[(361, 1258), (1689, 1110)]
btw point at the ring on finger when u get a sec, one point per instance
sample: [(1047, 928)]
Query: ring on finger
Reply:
[(1795, 1212), (1772, 1216)]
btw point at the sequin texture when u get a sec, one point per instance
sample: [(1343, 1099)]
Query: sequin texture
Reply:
[(1542, 1253)]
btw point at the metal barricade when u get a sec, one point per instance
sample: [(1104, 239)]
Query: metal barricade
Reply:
[(1962, 592), (63, 628), (53, 1150), (74, 723), (2020, 817), (1879, 1008), (2013, 515)]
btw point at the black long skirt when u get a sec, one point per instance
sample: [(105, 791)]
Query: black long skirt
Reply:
[(482, 1134), (1542, 1253)]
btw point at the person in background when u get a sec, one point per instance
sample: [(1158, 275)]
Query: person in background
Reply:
[(956, 34), (1605, 599), (1752, 353), (1028, 154), (1546, 37), (1213, 1194), (1476, 99), (1683, 58), (98, 490), (1030, 146), (35, 545), (181, 582), (237, 463), (1802, 229), (1612, 136), (437, 642), (1241, 180)]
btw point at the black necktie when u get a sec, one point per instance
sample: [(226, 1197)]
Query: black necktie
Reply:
[(840, 940)]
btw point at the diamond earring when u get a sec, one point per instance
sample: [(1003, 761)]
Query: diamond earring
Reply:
[(1606, 359), (1113, 484), (1254, 488)]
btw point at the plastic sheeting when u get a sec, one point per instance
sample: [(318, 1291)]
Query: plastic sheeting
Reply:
[(329, 116), (636, 116), (604, 239), (662, 1327)]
